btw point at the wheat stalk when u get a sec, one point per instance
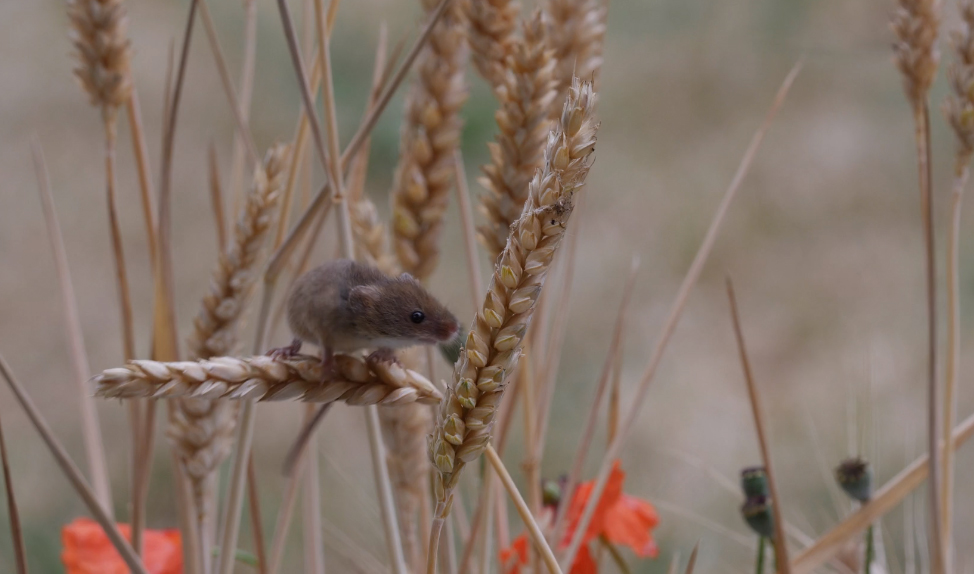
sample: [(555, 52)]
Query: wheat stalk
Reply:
[(356, 381), (525, 93), (201, 430), (576, 31), (959, 109), (493, 345), (103, 52), (915, 24), (430, 133), (491, 36)]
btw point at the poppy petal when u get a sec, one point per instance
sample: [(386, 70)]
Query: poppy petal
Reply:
[(584, 563), (630, 522), (515, 555), (87, 550), (610, 496)]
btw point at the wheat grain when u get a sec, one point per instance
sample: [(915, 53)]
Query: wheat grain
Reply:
[(959, 106), (491, 36), (525, 95), (430, 133), (201, 430), (301, 378), (576, 32), (493, 345), (915, 24), (103, 52)]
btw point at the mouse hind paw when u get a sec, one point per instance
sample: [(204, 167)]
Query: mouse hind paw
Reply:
[(288, 352)]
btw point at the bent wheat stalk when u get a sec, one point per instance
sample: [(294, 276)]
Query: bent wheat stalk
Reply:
[(494, 343), (263, 378)]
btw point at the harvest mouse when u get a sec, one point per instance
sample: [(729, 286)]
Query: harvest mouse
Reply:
[(348, 306)]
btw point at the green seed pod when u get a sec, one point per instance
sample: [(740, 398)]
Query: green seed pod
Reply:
[(551, 492), (757, 513), (754, 481), (855, 476)]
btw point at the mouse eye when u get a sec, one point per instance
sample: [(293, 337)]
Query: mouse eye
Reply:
[(417, 317)]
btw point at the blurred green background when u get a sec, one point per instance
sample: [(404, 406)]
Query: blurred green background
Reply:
[(823, 243)]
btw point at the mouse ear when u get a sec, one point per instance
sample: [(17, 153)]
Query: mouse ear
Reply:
[(407, 277), (364, 295)]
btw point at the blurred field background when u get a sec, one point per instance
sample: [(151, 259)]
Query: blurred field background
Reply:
[(823, 243)]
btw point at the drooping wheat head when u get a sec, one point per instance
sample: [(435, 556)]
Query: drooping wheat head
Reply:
[(525, 93), (494, 342), (576, 32), (429, 135), (959, 106), (915, 24), (201, 429), (98, 32), (301, 378), (491, 36)]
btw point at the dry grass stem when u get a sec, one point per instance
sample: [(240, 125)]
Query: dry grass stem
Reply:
[(588, 432), (959, 109), (141, 152), (469, 231), (493, 345), (90, 428), (72, 472), (576, 32), (614, 449), (263, 378), (780, 543), (245, 91), (885, 499), (693, 559), (491, 36), (256, 520), (534, 531), (525, 92), (430, 133), (16, 532), (201, 430)]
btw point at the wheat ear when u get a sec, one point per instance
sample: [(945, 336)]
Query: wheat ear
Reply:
[(201, 430), (430, 133), (959, 109), (576, 32), (915, 24), (356, 382), (525, 95), (103, 51), (491, 36), (493, 345)]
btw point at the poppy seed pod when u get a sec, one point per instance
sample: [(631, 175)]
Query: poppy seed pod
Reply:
[(855, 476), (754, 481), (757, 513)]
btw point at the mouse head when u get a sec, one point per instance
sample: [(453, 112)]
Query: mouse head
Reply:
[(401, 312)]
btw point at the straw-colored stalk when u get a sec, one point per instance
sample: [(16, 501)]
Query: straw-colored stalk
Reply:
[(202, 429), (576, 32), (959, 109), (915, 24), (301, 378), (494, 342), (491, 36), (525, 93), (430, 133)]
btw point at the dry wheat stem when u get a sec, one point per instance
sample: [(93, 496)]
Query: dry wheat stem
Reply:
[(915, 24), (286, 510), (16, 531), (885, 499), (576, 32), (494, 342), (613, 450), (314, 561), (72, 472), (780, 543), (245, 90), (263, 378), (141, 152), (216, 198), (90, 428), (491, 36), (959, 109), (430, 132), (469, 231), (239, 112), (693, 559), (202, 430), (525, 93)]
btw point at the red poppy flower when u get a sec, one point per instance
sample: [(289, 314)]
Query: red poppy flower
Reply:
[(620, 518), (87, 550)]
